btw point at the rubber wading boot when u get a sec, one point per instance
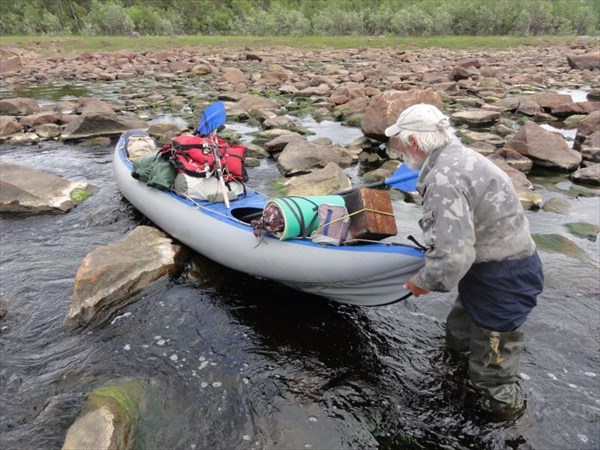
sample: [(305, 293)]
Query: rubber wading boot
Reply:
[(458, 328), (493, 366)]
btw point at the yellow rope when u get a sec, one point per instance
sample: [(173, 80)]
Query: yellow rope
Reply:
[(385, 213)]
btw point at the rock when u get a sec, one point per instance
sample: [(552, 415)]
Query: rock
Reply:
[(35, 120), (586, 128), (109, 418), (589, 61), (18, 106), (319, 182), (277, 144), (587, 175), (110, 275), (9, 126), (281, 122), (549, 100), (525, 191), (201, 69), (302, 157), (476, 117), (94, 124), (583, 230), (556, 243), (545, 148), (513, 159), (593, 95), (383, 109), (232, 75), (252, 102), (3, 307), (30, 191), (48, 131), (471, 137), (11, 65), (590, 148), (24, 139), (570, 109), (557, 205)]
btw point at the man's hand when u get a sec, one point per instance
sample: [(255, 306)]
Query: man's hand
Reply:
[(416, 290)]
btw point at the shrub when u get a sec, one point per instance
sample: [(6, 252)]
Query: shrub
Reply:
[(109, 18)]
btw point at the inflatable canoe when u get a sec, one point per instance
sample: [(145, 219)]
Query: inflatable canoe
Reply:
[(367, 274)]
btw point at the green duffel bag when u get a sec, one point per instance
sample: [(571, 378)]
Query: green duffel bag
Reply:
[(155, 170)]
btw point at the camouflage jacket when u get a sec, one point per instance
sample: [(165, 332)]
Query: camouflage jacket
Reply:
[(471, 214)]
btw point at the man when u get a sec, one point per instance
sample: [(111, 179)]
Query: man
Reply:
[(478, 239)]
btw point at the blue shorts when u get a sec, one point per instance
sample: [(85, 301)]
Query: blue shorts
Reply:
[(499, 295)]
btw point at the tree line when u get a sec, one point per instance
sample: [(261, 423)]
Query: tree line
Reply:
[(301, 17)]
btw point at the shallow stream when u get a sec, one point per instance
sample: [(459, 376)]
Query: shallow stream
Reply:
[(230, 361)]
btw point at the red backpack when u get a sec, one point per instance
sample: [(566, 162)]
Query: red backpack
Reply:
[(193, 155)]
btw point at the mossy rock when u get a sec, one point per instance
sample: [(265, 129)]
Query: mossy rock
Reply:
[(583, 230), (79, 195), (557, 205), (122, 397), (556, 243)]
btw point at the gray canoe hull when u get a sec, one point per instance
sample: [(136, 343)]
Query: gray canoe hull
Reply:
[(366, 275)]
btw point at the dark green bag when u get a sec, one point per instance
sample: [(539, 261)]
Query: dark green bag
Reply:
[(155, 170)]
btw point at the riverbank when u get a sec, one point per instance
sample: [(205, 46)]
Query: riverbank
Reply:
[(49, 46)]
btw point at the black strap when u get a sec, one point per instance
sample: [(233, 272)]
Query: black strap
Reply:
[(291, 203), (404, 297), (417, 243)]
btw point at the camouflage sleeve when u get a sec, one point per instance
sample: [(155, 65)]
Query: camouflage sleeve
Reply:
[(447, 225)]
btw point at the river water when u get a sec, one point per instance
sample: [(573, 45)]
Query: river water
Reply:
[(230, 361)]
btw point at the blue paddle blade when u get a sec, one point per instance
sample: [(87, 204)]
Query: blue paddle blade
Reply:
[(212, 118), (403, 179)]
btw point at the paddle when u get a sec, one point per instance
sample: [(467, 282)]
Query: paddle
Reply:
[(212, 118), (403, 179)]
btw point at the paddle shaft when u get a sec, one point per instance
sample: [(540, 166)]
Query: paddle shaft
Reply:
[(219, 169)]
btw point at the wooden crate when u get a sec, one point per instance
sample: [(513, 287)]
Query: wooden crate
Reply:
[(375, 216)]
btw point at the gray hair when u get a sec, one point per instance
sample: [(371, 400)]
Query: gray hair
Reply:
[(428, 141)]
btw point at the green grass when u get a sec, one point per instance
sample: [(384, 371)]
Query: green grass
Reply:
[(66, 45)]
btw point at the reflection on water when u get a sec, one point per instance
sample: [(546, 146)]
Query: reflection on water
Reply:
[(231, 361)]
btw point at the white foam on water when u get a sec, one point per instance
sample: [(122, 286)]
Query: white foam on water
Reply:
[(127, 314), (552, 376), (204, 384), (127, 347), (524, 376), (582, 437), (173, 358), (246, 437), (217, 384), (590, 374), (203, 365), (312, 419)]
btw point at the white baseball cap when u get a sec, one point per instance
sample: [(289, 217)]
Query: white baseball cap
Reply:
[(421, 117)]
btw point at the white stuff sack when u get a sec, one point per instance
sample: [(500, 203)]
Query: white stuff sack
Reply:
[(208, 188), (334, 225), (138, 146)]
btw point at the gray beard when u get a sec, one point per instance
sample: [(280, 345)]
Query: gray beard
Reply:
[(413, 162)]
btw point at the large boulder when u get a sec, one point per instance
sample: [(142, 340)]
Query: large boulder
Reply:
[(250, 102), (587, 127), (587, 175), (545, 148), (301, 157), (476, 117), (18, 106), (110, 275), (524, 188), (589, 61), (319, 182), (384, 109), (10, 65), (95, 124), (30, 191), (108, 419), (9, 126)]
